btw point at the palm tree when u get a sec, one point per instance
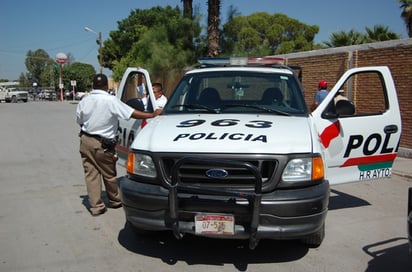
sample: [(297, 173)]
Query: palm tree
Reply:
[(187, 8), (406, 15), (343, 38), (213, 21), (188, 13), (232, 12), (380, 33)]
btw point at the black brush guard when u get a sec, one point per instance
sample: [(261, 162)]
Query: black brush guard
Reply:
[(253, 198)]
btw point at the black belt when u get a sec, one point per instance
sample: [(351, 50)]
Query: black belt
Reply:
[(107, 144), (97, 137)]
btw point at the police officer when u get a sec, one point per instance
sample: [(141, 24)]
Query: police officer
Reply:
[(98, 115)]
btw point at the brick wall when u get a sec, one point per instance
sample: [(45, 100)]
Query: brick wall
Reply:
[(330, 64)]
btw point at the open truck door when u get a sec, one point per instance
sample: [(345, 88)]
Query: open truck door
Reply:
[(135, 90), (360, 135)]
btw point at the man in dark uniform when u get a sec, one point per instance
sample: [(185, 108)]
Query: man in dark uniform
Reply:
[(98, 115)]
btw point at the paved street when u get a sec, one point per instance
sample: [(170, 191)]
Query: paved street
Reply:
[(45, 225)]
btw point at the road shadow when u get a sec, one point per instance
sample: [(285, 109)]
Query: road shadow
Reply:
[(85, 201), (389, 255), (86, 204), (340, 200), (195, 250)]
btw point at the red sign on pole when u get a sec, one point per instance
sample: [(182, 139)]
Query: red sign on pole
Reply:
[(61, 58)]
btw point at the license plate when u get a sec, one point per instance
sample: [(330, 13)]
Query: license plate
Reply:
[(214, 224)]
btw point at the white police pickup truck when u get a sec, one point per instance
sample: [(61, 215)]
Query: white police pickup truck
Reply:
[(237, 155)]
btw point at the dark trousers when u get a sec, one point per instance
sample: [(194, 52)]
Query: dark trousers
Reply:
[(99, 165)]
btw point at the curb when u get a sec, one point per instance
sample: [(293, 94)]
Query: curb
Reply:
[(405, 152), (402, 174)]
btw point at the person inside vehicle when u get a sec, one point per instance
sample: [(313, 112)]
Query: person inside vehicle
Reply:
[(161, 99)]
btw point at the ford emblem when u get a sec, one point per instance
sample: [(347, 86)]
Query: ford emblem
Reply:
[(217, 173)]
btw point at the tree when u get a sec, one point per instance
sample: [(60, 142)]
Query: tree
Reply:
[(82, 73), (36, 62), (50, 75), (232, 12), (187, 8), (406, 15), (24, 81), (188, 13), (342, 38), (264, 34), (380, 33), (155, 53), (174, 29), (155, 39), (213, 22)]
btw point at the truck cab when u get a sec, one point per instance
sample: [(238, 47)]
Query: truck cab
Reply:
[(236, 154)]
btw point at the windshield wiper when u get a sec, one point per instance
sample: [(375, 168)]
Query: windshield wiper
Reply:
[(197, 106), (257, 107)]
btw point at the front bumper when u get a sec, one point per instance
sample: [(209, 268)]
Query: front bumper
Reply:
[(283, 214)]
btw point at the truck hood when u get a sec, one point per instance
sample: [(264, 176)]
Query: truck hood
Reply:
[(261, 134)]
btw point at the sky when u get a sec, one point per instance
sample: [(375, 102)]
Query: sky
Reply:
[(57, 26)]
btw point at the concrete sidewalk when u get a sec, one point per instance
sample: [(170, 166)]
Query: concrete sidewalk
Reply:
[(402, 167)]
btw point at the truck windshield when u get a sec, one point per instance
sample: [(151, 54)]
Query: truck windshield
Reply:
[(238, 92)]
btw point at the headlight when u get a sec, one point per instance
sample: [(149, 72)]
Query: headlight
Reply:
[(140, 164), (303, 169)]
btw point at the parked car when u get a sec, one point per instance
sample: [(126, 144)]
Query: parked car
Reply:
[(49, 95), (80, 95)]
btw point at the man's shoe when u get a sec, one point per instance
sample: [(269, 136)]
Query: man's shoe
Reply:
[(98, 212)]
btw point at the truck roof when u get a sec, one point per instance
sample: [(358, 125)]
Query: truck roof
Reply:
[(267, 64)]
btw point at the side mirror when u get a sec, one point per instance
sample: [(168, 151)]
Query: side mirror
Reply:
[(344, 107)]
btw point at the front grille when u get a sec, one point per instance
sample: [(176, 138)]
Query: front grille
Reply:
[(237, 176)]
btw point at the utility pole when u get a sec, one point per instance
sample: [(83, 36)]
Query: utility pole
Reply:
[(99, 42), (100, 53)]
